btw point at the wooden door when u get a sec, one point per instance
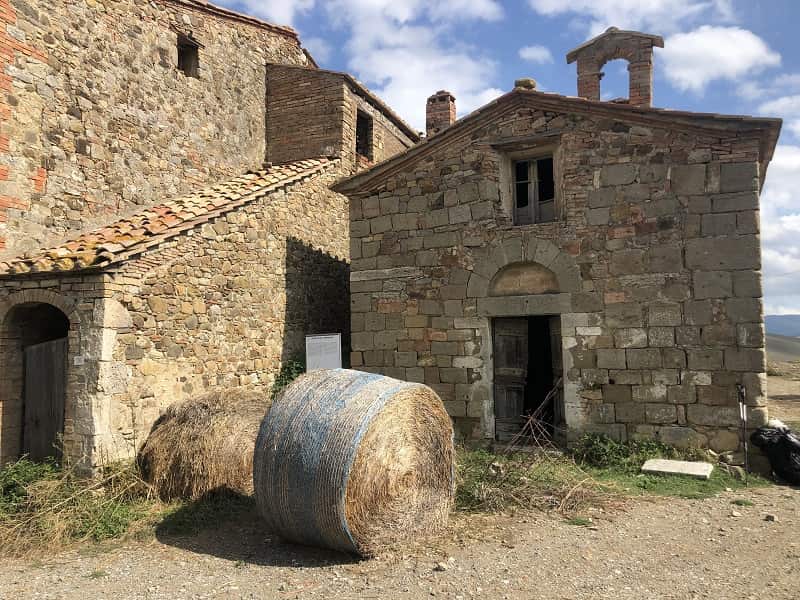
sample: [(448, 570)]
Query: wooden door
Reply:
[(510, 376), (45, 394)]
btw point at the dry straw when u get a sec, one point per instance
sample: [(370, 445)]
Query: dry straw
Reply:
[(355, 462), (205, 444)]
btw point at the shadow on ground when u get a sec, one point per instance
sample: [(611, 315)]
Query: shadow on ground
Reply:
[(227, 525)]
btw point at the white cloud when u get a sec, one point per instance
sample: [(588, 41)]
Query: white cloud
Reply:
[(650, 15), (785, 106), (405, 50), (780, 222), (487, 10), (282, 12), (319, 49), (692, 60), (536, 54)]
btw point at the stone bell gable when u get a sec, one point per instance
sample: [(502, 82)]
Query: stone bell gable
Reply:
[(636, 282)]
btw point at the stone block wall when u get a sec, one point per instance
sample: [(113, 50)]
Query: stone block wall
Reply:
[(95, 117), (656, 254), (228, 304), (222, 305), (312, 113)]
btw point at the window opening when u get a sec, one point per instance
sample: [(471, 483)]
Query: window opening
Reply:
[(364, 135), (188, 56), (534, 191)]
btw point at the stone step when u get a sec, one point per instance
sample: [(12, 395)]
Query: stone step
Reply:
[(659, 466)]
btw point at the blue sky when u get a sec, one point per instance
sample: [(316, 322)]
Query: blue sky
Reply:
[(727, 56)]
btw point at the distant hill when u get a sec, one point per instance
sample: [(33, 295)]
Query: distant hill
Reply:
[(781, 348), (788, 325)]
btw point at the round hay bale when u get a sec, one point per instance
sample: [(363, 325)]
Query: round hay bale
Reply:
[(354, 461), (205, 444)]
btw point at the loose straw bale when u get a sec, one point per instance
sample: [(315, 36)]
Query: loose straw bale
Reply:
[(354, 462), (205, 444)]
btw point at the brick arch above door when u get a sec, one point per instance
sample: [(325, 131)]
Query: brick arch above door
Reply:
[(65, 305)]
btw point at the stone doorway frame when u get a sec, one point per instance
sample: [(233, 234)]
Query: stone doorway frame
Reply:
[(11, 382), (489, 262)]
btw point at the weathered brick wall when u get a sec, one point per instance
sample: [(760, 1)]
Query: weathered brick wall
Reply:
[(312, 113), (95, 118), (387, 139), (305, 114), (656, 253)]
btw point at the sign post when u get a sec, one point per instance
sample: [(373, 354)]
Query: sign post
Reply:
[(324, 351)]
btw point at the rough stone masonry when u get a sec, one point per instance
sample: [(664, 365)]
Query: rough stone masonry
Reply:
[(651, 266), (164, 252)]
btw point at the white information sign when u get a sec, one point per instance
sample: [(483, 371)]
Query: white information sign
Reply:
[(324, 351)]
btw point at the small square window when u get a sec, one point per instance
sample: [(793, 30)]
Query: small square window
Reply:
[(188, 56), (364, 146), (534, 191)]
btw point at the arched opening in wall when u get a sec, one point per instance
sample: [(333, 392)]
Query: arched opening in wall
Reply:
[(33, 381), (615, 83), (527, 353)]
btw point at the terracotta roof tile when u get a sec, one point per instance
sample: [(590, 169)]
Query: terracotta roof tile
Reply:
[(135, 233)]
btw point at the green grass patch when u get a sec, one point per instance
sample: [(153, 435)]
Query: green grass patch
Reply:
[(45, 505), (579, 521), (617, 465), (596, 469), (97, 574), (742, 502)]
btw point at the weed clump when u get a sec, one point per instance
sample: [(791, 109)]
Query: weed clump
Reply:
[(45, 505), (603, 452), (544, 479), (290, 370)]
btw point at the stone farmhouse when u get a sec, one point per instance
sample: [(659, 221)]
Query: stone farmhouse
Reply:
[(611, 246), (185, 195), (167, 224)]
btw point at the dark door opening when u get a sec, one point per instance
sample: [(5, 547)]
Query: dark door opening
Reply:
[(34, 360), (527, 365), (45, 381)]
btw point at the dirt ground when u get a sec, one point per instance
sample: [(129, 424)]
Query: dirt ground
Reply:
[(664, 548), (784, 392)]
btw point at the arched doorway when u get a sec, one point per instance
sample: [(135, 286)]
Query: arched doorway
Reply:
[(33, 360), (527, 365)]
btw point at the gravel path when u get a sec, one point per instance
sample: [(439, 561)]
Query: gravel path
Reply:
[(661, 548)]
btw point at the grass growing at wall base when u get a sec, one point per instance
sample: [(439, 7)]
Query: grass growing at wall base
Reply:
[(597, 470), (45, 506)]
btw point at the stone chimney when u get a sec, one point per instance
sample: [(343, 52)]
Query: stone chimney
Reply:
[(635, 47), (440, 112)]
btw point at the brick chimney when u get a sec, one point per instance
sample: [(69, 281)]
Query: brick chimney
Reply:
[(440, 112), (633, 46)]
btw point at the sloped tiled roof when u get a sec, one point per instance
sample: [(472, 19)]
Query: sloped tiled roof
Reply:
[(136, 233)]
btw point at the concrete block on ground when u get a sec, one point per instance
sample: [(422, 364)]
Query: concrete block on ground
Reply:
[(658, 466)]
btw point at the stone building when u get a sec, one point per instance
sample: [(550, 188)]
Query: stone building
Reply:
[(118, 121), (609, 245)]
